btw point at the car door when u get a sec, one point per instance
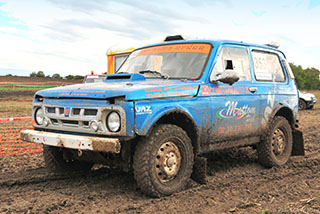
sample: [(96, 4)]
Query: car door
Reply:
[(235, 108), (274, 87)]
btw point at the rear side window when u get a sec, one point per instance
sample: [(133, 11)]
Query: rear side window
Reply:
[(236, 59), (267, 66)]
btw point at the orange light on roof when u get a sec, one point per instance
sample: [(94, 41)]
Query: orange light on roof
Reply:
[(92, 72)]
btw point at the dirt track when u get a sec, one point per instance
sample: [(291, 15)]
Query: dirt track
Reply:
[(236, 184)]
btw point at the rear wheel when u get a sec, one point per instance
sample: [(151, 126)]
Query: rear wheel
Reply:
[(163, 161), (56, 162), (276, 146)]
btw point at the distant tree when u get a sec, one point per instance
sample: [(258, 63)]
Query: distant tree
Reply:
[(78, 77), (306, 78), (9, 75), (69, 77), (40, 74), (56, 76), (33, 74), (312, 76)]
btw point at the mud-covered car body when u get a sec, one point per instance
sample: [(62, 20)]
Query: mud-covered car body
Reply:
[(220, 94), (306, 100)]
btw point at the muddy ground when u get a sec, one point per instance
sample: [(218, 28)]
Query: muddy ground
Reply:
[(236, 184)]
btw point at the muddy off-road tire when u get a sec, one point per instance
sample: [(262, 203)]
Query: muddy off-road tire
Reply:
[(276, 145), (302, 104), (53, 157), (163, 161)]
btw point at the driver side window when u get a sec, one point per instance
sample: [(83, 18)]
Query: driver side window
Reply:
[(236, 59)]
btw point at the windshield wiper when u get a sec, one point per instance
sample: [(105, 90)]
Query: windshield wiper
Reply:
[(165, 76)]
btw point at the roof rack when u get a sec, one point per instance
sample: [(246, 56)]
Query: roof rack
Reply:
[(173, 38), (273, 45)]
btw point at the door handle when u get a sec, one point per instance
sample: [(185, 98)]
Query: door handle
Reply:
[(253, 89)]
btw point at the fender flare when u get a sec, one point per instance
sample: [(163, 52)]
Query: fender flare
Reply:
[(152, 120)]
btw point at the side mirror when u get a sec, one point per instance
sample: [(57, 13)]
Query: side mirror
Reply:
[(227, 76)]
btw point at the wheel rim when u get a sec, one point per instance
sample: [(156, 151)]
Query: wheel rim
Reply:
[(278, 142), (167, 161)]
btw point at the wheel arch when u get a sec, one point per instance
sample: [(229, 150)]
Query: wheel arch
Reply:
[(286, 113), (186, 122), (301, 98), (180, 118)]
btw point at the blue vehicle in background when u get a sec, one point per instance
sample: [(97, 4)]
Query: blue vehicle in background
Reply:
[(168, 104)]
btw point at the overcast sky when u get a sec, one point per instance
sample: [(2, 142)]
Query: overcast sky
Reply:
[(73, 36)]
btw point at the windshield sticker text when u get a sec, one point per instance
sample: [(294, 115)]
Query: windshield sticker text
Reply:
[(191, 48)]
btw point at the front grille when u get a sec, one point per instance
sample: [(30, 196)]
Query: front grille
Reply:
[(76, 111), (90, 112), (78, 119), (54, 110), (70, 122), (51, 110)]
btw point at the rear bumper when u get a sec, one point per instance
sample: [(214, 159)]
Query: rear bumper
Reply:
[(69, 141)]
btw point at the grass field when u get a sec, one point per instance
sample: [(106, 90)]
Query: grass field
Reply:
[(15, 108)]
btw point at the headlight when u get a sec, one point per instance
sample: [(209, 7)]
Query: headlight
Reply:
[(94, 125), (39, 116), (113, 121)]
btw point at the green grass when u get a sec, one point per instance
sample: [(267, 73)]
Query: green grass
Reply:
[(15, 109)]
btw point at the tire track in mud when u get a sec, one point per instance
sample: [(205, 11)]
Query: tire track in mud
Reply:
[(40, 175), (29, 177)]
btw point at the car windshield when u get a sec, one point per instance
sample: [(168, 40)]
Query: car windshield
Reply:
[(185, 61), (93, 79)]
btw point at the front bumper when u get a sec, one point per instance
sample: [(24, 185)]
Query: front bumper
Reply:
[(312, 102), (100, 144)]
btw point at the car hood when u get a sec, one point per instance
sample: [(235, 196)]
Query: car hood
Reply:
[(307, 95), (131, 90)]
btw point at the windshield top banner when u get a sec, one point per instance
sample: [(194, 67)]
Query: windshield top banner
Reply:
[(191, 48)]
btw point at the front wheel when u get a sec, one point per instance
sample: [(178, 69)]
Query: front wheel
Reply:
[(276, 146), (302, 104), (163, 161)]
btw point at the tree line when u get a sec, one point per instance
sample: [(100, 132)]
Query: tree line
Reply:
[(307, 79), (56, 76)]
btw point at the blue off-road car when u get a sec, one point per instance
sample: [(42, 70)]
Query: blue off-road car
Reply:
[(167, 105)]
